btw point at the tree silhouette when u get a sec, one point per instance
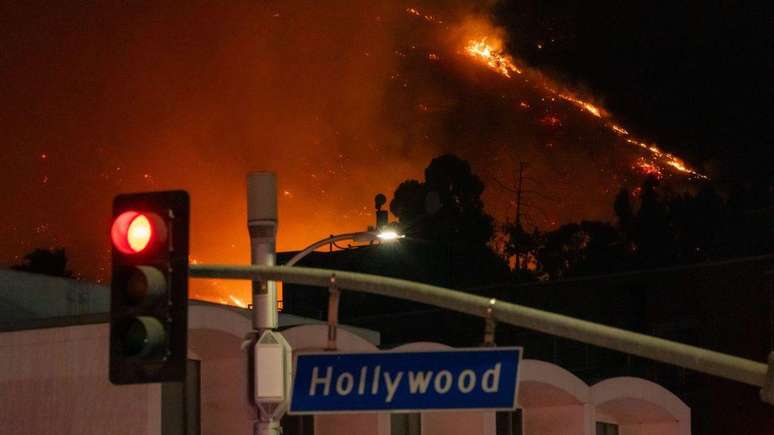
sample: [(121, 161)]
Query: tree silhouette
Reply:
[(459, 219), (652, 228), (444, 214), (46, 262), (408, 202), (661, 228), (587, 248)]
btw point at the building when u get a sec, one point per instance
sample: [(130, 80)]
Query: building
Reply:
[(54, 337)]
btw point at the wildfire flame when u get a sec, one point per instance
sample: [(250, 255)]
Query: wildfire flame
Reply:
[(594, 110), (618, 129), (648, 168), (499, 61), (417, 13), (494, 57)]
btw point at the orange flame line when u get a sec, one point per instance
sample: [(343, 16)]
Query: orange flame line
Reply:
[(502, 63)]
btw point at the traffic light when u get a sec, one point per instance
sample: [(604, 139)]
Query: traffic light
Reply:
[(149, 287)]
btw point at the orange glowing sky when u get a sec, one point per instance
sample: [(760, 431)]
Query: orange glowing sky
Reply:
[(341, 102)]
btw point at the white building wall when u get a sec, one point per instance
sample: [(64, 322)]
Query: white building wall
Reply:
[(352, 424), (215, 338), (55, 381), (557, 420), (222, 398), (640, 407), (455, 423)]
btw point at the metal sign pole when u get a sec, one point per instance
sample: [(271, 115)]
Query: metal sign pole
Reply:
[(268, 354)]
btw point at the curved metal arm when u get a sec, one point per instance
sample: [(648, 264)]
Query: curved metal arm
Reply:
[(366, 236), (691, 357)]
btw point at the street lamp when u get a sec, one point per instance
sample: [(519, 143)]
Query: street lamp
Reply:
[(389, 235), (383, 233), (386, 235)]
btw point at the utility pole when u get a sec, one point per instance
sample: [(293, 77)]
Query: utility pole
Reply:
[(268, 353)]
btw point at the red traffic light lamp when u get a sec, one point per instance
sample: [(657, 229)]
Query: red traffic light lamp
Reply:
[(133, 231), (149, 287)]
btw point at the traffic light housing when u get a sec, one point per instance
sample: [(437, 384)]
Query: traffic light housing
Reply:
[(149, 287)]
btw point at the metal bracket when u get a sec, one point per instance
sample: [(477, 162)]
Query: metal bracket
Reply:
[(271, 427), (333, 312), (490, 325), (250, 338), (767, 392)]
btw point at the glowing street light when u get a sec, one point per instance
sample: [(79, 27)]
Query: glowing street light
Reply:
[(389, 235), (384, 233), (363, 236)]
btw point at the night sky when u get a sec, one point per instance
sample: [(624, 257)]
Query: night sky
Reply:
[(346, 99), (697, 75)]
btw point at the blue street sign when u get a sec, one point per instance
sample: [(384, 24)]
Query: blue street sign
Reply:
[(482, 378)]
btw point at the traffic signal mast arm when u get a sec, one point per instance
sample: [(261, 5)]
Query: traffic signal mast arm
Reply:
[(658, 349)]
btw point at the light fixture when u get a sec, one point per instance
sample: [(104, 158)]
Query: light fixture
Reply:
[(389, 235)]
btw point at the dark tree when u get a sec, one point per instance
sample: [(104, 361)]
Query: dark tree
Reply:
[(656, 227), (459, 219), (445, 215), (46, 262), (653, 234), (588, 248), (408, 202)]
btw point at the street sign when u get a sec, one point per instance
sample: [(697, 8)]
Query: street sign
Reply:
[(454, 379), (272, 368)]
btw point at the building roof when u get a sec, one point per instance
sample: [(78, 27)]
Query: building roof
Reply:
[(32, 301)]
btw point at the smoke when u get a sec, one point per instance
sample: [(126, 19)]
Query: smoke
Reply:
[(342, 99)]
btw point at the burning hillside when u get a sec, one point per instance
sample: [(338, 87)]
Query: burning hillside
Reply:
[(342, 100), (479, 101), (496, 59)]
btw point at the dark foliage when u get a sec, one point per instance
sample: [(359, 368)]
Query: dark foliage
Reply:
[(656, 228), (460, 218), (46, 262), (445, 213)]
